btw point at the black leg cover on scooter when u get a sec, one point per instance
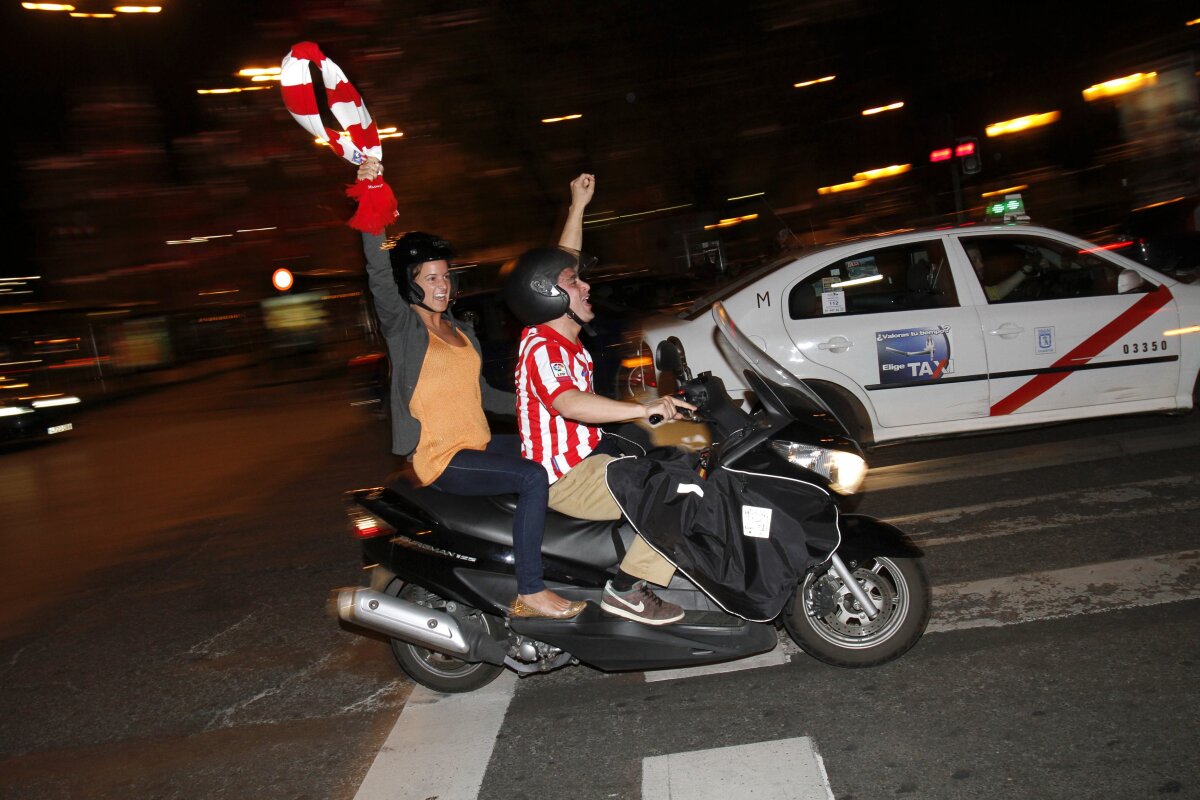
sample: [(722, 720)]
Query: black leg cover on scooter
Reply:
[(745, 538)]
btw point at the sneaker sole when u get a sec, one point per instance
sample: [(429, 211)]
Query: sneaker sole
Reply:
[(620, 612)]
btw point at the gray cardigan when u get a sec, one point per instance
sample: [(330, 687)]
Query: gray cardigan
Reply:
[(407, 339)]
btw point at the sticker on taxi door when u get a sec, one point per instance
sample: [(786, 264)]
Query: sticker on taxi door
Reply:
[(914, 354)]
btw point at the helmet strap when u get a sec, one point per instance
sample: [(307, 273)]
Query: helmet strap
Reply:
[(586, 327)]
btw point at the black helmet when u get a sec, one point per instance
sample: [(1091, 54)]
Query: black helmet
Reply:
[(531, 289), (412, 250)]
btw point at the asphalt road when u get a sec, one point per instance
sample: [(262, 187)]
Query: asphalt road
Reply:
[(164, 632)]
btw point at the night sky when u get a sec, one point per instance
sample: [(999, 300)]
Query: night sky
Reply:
[(707, 85)]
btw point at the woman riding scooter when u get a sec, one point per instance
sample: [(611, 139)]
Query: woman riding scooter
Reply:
[(439, 397)]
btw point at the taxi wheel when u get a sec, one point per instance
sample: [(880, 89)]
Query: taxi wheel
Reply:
[(849, 411)]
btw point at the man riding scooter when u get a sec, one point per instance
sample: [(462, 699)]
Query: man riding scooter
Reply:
[(558, 410)]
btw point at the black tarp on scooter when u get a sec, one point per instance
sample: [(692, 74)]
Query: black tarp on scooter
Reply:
[(745, 538)]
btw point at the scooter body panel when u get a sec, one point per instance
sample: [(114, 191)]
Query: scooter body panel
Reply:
[(613, 644)]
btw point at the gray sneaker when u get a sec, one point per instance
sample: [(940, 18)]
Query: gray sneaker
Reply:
[(640, 605)]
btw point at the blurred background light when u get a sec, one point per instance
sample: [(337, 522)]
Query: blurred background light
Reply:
[(882, 172), (1009, 190), (47, 7), (880, 109), (562, 119), (1118, 86), (814, 82), (842, 187), (1022, 123)]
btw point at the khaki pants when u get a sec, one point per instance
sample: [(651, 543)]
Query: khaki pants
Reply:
[(583, 493)]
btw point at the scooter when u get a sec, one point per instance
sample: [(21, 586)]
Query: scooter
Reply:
[(442, 565)]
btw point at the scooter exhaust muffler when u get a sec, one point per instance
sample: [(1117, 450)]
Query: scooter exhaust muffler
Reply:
[(417, 624)]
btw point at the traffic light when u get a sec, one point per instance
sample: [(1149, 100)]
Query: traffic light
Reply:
[(967, 151), (282, 279)]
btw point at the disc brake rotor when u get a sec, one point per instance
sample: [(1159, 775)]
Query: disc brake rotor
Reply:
[(847, 618)]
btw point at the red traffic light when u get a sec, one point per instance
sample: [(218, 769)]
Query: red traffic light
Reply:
[(939, 155), (966, 148)]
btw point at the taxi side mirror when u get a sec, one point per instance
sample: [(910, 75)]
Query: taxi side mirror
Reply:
[(1129, 280)]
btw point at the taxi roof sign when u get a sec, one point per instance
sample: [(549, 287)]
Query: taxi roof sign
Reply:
[(1010, 209)]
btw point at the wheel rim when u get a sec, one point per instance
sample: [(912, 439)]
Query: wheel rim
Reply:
[(847, 624), (442, 665), (432, 661)]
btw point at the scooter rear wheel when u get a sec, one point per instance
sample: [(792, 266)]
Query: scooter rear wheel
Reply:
[(827, 623), (435, 670)]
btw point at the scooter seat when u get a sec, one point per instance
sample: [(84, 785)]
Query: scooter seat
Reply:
[(490, 519)]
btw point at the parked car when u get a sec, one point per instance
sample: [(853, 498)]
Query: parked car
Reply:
[(938, 332)]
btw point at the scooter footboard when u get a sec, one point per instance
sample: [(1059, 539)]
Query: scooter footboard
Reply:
[(613, 644), (865, 537)]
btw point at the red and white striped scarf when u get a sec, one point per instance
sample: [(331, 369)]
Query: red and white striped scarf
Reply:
[(376, 202)]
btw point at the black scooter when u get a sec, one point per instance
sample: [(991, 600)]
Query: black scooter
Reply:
[(442, 565)]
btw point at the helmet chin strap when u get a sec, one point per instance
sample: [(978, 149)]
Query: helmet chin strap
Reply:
[(586, 327)]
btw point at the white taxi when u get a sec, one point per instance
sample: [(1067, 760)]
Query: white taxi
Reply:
[(965, 329)]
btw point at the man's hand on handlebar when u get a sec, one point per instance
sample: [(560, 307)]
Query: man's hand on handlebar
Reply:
[(665, 408)]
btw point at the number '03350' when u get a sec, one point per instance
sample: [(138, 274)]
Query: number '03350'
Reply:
[(1146, 347)]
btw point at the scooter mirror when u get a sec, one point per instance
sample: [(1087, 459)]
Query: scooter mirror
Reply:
[(669, 358)]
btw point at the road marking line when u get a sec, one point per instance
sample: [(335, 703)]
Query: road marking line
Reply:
[(440, 745), (1022, 459), (772, 658), (1111, 495), (786, 769), (1091, 589)]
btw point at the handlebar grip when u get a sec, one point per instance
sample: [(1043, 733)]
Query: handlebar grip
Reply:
[(655, 419)]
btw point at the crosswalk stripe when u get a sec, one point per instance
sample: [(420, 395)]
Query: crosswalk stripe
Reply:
[(784, 769), (1090, 589), (1110, 494), (1030, 457), (440, 745), (773, 658)]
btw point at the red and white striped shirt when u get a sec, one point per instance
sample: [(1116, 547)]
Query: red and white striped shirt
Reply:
[(548, 365)]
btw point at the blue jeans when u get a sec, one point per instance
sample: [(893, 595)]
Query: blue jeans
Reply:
[(501, 470)]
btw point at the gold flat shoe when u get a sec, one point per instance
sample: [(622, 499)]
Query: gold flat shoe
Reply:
[(518, 608)]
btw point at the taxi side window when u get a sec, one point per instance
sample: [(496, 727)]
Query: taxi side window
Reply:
[(900, 278), (1016, 269)]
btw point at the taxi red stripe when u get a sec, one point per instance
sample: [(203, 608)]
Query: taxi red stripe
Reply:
[(1088, 349)]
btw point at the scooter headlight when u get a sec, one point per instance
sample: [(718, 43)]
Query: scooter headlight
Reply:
[(845, 471)]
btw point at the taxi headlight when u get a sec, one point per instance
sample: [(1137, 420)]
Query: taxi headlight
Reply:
[(12, 411), (845, 471)]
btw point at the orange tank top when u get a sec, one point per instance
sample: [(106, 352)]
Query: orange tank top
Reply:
[(448, 404)]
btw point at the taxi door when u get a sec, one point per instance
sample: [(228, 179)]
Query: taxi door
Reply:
[(889, 321), (1062, 331)]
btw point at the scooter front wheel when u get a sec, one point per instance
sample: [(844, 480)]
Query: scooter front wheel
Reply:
[(436, 670), (827, 623)]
